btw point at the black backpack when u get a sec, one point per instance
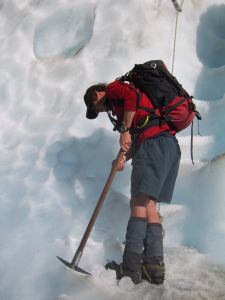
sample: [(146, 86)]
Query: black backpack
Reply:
[(165, 93), (154, 79)]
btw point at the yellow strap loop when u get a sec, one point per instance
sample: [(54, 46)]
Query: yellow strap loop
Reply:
[(145, 122)]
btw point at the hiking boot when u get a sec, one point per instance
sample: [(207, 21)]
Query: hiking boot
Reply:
[(121, 272), (154, 273)]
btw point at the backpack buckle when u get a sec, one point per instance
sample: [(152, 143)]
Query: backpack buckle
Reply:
[(153, 65)]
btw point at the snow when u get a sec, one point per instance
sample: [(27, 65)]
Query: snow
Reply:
[(54, 162)]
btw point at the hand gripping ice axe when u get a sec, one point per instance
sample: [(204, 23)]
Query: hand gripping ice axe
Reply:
[(77, 256)]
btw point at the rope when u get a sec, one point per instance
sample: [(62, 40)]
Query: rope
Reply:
[(178, 10)]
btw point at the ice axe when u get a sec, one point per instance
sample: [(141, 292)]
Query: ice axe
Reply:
[(77, 256)]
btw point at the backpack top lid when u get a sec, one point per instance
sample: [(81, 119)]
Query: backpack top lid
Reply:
[(154, 79)]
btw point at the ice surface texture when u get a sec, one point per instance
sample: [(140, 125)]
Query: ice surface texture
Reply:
[(65, 32), (211, 52)]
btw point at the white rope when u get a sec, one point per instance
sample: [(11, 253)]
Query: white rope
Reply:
[(178, 9)]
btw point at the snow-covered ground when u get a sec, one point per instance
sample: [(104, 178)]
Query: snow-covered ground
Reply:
[(54, 162)]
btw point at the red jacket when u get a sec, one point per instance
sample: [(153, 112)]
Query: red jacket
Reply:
[(123, 97)]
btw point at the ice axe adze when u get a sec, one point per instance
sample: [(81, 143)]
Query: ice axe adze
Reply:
[(77, 256)]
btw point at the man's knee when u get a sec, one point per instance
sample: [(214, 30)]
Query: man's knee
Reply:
[(152, 213), (140, 200)]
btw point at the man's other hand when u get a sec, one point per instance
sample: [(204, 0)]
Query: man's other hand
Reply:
[(121, 164)]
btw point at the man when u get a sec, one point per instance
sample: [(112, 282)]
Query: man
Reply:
[(155, 157)]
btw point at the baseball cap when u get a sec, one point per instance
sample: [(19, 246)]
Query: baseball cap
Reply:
[(91, 112)]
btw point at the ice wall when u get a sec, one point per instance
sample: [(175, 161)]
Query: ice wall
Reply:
[(202, 191), (211, 52)]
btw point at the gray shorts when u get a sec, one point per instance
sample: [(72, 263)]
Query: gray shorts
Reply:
[(155, 167)]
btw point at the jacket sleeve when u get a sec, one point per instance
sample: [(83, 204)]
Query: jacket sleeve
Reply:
[(125, 93)]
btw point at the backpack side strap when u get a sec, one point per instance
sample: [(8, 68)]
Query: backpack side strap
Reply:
[(172, 107)]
